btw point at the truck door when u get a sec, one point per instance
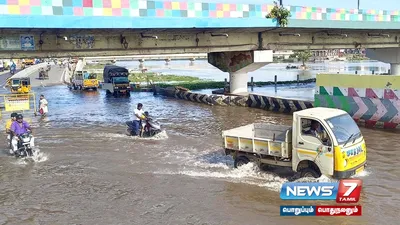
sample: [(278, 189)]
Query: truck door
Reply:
[(315, 144)]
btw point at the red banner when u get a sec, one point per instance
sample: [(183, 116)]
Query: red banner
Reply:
[(334, 210)]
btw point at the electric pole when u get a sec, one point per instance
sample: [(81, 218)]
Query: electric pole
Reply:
[(280, 2), (358, 4)]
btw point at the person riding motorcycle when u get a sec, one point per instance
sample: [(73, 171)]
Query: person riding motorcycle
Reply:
[(137, 121), (13, 67), (18, 128), (8, 127)]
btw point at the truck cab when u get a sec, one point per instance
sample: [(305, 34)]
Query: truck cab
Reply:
[(90, 81), (320, 141), (116, 80), (337, 148)]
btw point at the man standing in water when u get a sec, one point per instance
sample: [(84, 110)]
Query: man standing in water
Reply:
[(138, 118), (43, 106)]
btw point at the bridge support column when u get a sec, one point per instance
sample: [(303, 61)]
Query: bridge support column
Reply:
[(386, 55), (395, 68), (141, 63), (192, 61), (238, 64)]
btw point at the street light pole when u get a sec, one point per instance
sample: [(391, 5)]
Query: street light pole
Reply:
[(358, 4), (280, 2)]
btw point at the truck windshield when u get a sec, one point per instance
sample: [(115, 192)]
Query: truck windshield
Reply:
[(15, 82), (90, 76), (344, 128), (120, 80)]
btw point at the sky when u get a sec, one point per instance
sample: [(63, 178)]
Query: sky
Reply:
[(348, 4)]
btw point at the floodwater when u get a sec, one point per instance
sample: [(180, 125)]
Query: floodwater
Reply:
[(90, 172), (204, 70)]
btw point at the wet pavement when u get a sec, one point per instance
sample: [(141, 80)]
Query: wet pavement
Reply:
[(90, 172)]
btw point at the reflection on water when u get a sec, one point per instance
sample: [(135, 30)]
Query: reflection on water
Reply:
[(203, 69), (95, 174)]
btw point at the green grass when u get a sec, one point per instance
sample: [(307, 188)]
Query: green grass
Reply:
[(143, 77), (197, 85), (154, 77)]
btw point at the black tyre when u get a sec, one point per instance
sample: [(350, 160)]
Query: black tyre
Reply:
[(240, 161), (309, 172)]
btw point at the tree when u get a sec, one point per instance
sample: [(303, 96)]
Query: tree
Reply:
[(280, 13), (303, 56)]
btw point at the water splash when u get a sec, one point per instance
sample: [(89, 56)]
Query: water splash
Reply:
[(160, 136), (364, 173), (37, 157)]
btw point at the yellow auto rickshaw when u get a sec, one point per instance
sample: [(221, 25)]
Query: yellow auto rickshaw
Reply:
[(19, 85)]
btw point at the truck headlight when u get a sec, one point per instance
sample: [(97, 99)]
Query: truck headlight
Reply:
[(344, 163)]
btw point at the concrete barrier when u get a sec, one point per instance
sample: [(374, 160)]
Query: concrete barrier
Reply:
[(252, 100), (29, 70), (372, 100)]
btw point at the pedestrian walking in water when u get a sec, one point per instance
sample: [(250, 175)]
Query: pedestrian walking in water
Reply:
[(43, 109)]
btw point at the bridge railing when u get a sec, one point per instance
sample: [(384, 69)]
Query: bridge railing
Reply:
[(28, 71), (19, 103)]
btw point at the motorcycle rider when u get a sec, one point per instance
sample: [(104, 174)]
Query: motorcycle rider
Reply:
[(19, 127), (13, 67), (8, 127), (137, 121)]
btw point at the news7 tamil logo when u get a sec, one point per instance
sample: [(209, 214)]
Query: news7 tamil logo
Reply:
[(346, 191)]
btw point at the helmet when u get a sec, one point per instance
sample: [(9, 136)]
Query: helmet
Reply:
[(14, 114), (19, 116)]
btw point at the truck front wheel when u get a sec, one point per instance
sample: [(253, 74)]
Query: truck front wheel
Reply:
[(240, 161), (309, 172)]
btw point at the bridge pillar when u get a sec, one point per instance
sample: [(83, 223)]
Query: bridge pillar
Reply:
[(141, 63), (386, 55), (238, 64), (192, 61)]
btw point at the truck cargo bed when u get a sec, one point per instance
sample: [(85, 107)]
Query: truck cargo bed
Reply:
[(261, 138)]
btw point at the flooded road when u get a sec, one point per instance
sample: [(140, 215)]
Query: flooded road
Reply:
[(92, 173)]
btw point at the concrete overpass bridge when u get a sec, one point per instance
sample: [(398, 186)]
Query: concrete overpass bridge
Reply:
[(238, 37)]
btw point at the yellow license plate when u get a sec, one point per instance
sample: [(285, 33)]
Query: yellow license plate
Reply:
[(359, 170)]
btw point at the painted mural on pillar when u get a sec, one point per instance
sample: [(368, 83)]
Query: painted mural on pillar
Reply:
[(230, 61), (371, 103)]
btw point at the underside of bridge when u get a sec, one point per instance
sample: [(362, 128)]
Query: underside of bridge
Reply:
[(24, 43)]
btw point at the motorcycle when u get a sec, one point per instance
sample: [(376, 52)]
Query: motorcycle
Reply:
[(149, 128), (12, 70), (24, 148)]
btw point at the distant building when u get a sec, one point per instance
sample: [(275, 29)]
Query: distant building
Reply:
[(320, 55), (283, 54)]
